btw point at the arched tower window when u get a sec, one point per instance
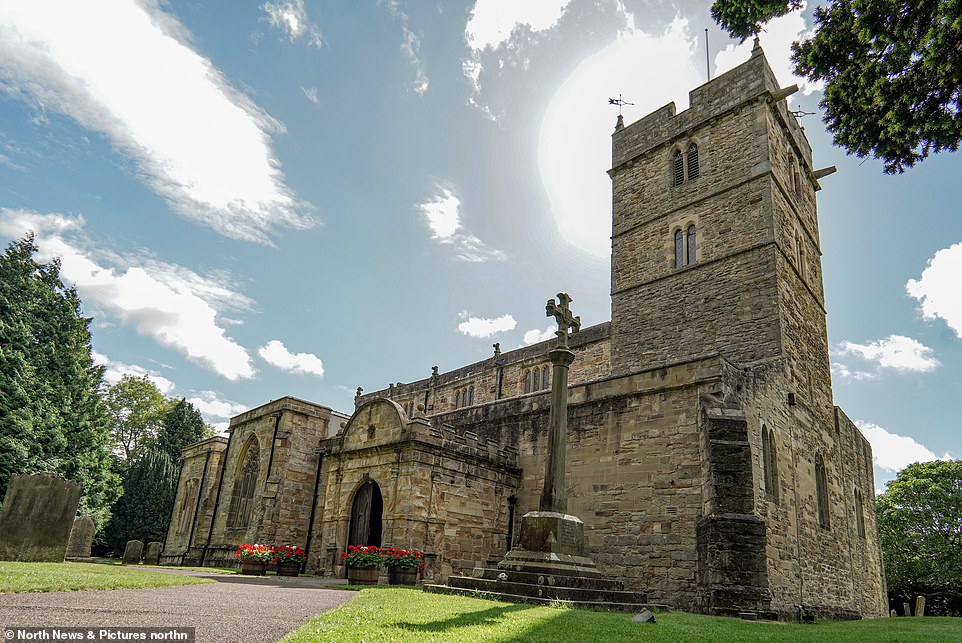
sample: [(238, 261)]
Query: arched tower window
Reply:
[(457, 399), (691, 244), (692, 162), (544, 377), (527, 381), (769, 464), (470, 397), (678, 176), (245, 482), (537, 379), (821, 493), (679, 249)]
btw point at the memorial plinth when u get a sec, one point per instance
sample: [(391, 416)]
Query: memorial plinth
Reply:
[(550, 561)]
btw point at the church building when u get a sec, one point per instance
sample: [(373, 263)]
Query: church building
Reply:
[(705, 455)]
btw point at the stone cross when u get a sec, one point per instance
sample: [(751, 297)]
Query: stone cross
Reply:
[(562, 314), (554, 496)]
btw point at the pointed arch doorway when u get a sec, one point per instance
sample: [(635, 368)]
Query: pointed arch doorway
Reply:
[(366, 513)]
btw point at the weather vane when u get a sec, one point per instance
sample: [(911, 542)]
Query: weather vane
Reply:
[(620, 102), (798, 113)]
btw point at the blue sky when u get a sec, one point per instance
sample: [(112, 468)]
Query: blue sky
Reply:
[(300, 198)]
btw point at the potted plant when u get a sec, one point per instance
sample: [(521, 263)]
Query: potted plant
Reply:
[(403, 565), (364, 563), (289, 560), (254, 558)]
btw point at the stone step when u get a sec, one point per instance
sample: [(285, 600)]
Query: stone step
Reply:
[(535, 578), (534, 600), (550, 592)]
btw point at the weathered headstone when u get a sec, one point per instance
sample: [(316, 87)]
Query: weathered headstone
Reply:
[(920, 606), (893, 613), (907, 609), (81, 537), (133, 552), (152, 553), (38, 514)]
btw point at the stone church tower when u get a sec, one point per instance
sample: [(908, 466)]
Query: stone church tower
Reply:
[(705, 455)]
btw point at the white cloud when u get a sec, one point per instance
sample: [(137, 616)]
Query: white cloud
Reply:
[(481, 327), (893, 452), (114, 371), (573, 160), (897, 352), (276, 354), (534, 335), (938, 288), (490, 26), (177, 307), (124, 70), (212, 406), (844, 372), (776, 40), (310, 93), (410, 47), (290, 17), (442, 213), (491, 21)]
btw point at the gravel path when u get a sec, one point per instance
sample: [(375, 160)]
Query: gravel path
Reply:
[(239, 609)]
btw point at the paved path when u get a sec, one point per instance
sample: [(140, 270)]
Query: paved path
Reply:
[(235, 609)]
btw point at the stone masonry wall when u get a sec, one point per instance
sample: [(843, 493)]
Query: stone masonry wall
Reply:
[(591, 346)]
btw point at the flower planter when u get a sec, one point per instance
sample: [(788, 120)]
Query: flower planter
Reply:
[(362, 575), (402, 576), (288, 569), (253, 568)]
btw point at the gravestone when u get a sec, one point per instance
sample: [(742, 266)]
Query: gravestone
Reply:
[(81, 537), (920, 606), (907, 609), (152, 553), (133, 552), (38, 514)]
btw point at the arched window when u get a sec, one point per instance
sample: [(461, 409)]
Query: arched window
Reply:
[(678, 177), (187, 506), (679, 249), (457, 399), (859, 515), (527, 381), (691, 244), (470, 397), (245, 481), (537, 379), (769, 464), (692, 162), (821, 493), (544, 377)]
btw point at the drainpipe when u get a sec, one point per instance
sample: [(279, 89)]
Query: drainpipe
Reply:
[(200, 491), (277, 423), (512, 503), (310, 522), (220, 485)]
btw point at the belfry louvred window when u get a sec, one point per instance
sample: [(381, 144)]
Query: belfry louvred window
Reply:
[(679, 169), (692, 161)]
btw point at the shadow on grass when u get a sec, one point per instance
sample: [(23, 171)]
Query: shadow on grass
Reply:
[(468, 619)]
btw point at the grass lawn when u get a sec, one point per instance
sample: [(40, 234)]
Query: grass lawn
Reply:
[(61, 577), (399, 614)]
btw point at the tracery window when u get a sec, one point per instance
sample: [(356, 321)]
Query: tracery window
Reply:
[(245, 482), (821, 493), (464, 397), (535, 379)]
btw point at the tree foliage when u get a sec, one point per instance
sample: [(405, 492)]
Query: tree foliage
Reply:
[(52, 417), (920, 527), (892, 71), (143, 512), (183, 425), (137, 410)]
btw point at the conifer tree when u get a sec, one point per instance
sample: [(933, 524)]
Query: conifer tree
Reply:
[(183, 425), (143, 511), (52, 415)]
